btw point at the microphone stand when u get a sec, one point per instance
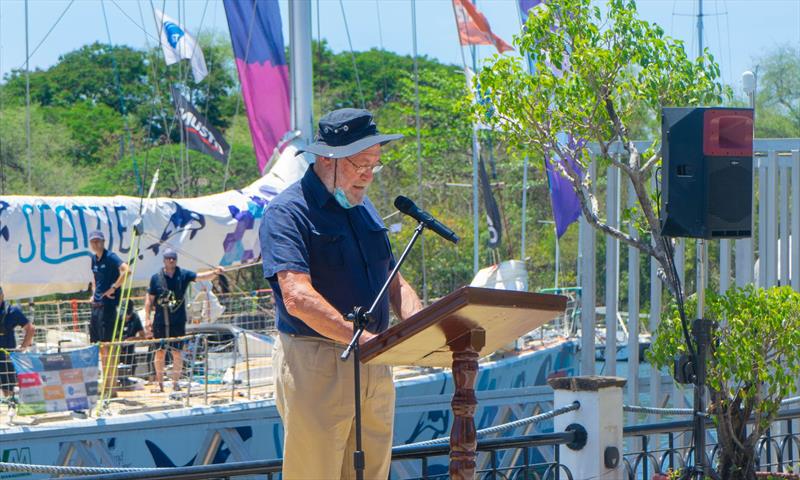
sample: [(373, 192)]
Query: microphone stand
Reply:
[(360, 318)]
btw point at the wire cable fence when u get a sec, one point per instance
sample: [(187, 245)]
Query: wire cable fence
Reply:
[(212, 364)]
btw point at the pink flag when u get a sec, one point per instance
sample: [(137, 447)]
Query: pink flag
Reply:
[(255, 27), (474, 29)]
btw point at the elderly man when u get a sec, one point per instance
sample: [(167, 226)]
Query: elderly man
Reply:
[(108, 274), (325, 250), (11, 317), (166, 295)]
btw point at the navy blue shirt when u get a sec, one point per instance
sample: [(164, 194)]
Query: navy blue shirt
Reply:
[(11, 316), (345, 251), (132, 326), (106, 272), (177, 284)]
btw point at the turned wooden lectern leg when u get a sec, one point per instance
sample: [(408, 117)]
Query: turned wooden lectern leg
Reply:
[(463, 441)]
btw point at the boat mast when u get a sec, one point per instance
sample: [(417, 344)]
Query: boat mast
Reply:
[(27, 101), (301, 69)]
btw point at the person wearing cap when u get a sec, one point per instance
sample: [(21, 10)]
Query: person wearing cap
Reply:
[(108, 274), (165, 296), (325, 250), (11, 317)]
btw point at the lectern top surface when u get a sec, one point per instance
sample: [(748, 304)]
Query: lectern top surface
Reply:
[(426, 338)]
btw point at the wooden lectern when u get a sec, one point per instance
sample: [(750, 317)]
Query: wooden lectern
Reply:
[(456, 331)]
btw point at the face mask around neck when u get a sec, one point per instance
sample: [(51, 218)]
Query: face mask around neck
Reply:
[(341, 198)]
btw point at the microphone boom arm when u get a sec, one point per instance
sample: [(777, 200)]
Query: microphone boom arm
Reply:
[(360, 316)]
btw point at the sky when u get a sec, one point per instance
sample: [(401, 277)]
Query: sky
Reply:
[(736, 31)]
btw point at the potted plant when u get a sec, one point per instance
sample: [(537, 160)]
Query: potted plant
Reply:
[(753, 365)]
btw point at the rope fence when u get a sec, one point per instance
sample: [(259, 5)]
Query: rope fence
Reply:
[(507, 426)]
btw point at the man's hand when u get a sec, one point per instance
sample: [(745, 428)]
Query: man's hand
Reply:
[(148, 331), (219, 271), (110, 292), (365, 337)]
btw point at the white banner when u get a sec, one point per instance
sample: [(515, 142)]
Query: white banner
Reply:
[(44, 247)]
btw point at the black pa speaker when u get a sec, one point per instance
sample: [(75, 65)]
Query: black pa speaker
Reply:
[(707, 172)]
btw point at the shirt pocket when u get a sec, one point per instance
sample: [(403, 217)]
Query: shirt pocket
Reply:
[(378, 247), (326, 249)]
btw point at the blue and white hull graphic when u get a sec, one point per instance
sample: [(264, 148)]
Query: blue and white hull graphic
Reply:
[(508, 389)]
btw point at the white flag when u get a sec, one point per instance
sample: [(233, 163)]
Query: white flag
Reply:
[(177, 44)]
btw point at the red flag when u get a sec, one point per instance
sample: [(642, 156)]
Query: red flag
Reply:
[(474, 29)]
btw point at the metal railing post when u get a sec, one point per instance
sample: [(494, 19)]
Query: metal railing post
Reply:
[(205, 371)]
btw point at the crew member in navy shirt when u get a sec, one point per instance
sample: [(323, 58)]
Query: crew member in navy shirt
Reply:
[(325, 250), (108, 275), (11, 316), (166, 296)]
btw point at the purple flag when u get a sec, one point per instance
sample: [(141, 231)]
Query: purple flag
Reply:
[(257, 39), (525, 6), (564, 199)]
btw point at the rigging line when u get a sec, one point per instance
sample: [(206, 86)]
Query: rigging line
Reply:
[(47, 34), (154, 62), (419, 142), (380, 27), (122, 108), (2, 106), (719, 35), (240, 98), (319, 51), (672, 19), (208, 83), (728, 32), (352, 55), (138, 25), (157, 93), (27, 101), (187, 169)]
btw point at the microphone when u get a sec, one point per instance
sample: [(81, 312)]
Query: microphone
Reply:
[(405, 205)]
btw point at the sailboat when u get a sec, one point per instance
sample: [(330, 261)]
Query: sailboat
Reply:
[(228, 411)]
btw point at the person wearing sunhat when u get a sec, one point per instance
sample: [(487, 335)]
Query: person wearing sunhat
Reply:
[(325, 250), (166, 297), (108, 275)]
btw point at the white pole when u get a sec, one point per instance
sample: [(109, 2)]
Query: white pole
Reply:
[(587, 278), (744, 246), (301, 69), (558, 255), (612, 271), (633, 308), (524, 207), (795, 252)]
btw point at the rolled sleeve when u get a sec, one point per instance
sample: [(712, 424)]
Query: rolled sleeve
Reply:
[(284, 243)]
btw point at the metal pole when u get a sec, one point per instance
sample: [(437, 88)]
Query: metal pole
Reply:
[(419, 145), (247, 365), (475, 156), (588, 289), (475, 153), (700, 28), (612, 270), (301, 69), (205, 369), (27, 100), (524, 207), (558, 256)]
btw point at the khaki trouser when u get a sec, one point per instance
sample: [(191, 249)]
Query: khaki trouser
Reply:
[(314, 396)]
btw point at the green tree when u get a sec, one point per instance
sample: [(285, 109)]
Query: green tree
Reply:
[(753, 366), (778, 98), (595, 73)]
